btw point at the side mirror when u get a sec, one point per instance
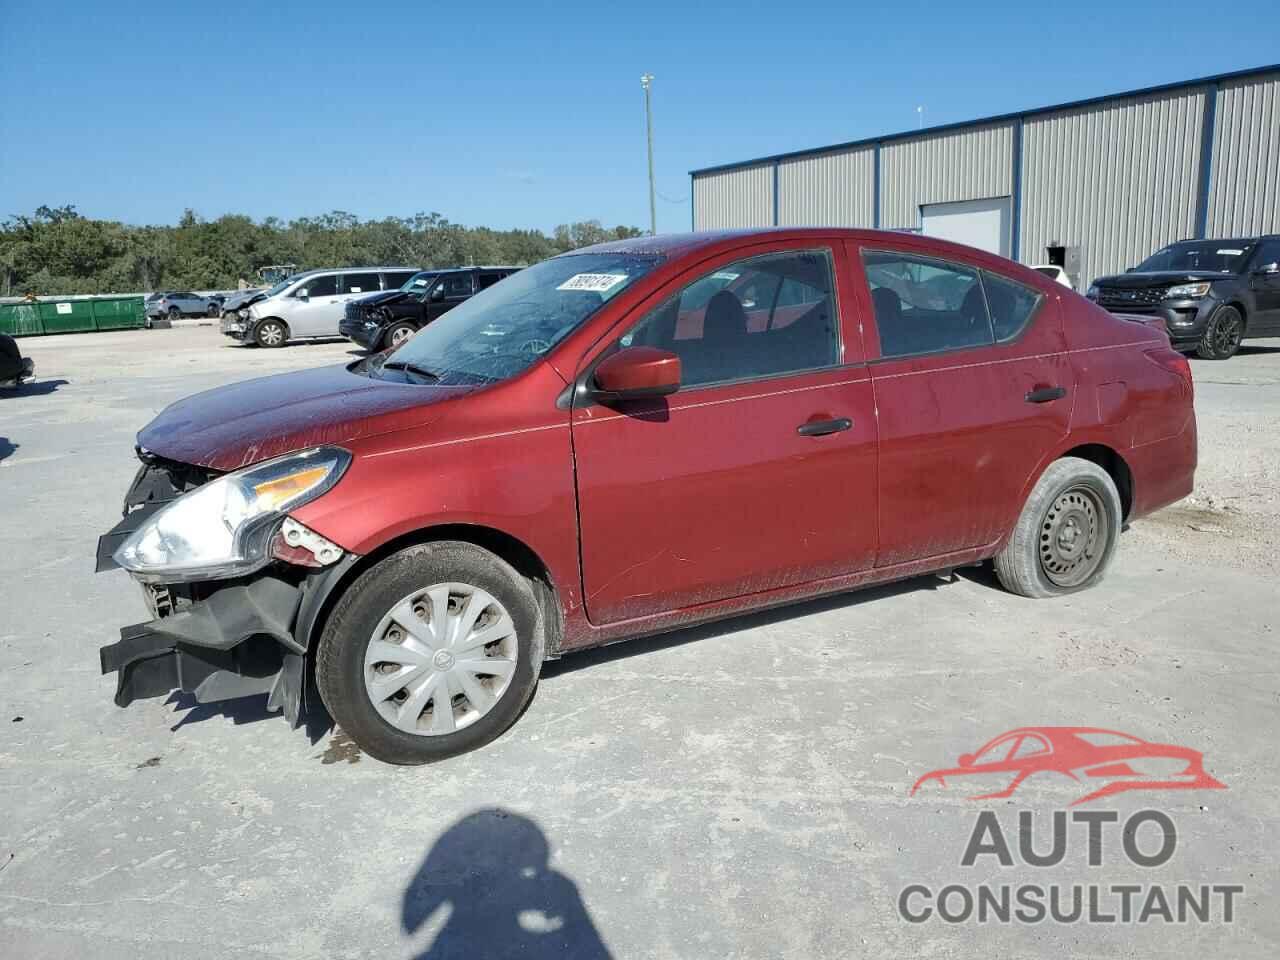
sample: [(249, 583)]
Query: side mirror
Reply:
[(303, 294), (966, 759), (437, 294), (1267, 269), (636, 373)]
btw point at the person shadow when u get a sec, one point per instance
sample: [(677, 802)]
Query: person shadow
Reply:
[(488, 878)]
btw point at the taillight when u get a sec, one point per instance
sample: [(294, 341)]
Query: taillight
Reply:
[(1175, 363)]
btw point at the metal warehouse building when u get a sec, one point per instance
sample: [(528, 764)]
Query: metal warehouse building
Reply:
[(1094, 185)]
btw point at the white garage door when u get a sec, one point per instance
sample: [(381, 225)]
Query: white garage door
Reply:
[(977, 223)]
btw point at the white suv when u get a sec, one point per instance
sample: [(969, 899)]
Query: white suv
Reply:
[(308, 305)]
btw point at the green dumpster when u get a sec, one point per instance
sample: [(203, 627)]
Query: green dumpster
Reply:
[(20, 319), (118, 313), (67, 316)]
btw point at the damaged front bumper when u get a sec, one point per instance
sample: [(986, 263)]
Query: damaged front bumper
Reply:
[(218, 640)]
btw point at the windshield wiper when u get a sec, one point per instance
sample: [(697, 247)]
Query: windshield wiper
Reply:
[(411, 367)]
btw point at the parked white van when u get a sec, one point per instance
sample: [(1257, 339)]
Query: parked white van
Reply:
[(308, 305)]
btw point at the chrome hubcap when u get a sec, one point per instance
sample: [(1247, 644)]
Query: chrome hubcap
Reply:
[(440, 659), (272, 334), (1073, 537), (400, 335)]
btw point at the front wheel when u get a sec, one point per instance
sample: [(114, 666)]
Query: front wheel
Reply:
[(1222, 336), (270, 333), (1067, 533), (398, 335), (214, 310), (432, 652)]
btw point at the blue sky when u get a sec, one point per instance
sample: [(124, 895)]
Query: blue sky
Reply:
[(530, 114)]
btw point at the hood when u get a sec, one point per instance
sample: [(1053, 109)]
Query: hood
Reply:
[(243, 423), (242, 299), (380, 299), (1157, 278)]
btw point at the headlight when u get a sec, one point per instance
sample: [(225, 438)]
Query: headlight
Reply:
[(223, 528), (1092, 293), (1185, 291)]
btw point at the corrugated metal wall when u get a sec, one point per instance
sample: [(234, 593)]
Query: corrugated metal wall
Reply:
[(932, 168), (828, 190), (1119, 179), (1244, 186), (734, 198)]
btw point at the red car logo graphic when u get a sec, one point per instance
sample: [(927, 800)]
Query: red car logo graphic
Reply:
[(1114, 761)]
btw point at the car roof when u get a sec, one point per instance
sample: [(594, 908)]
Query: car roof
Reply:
[(672, 245), (320, 270)]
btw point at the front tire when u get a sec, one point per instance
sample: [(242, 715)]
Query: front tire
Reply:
[(1066, 536), (432, 652), (1222, 335), (214, 311), (270, 333), (398, 335)]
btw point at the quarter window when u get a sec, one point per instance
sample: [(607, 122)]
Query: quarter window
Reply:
[(924, 305), (360, 283), (487, 280), (732, 324)]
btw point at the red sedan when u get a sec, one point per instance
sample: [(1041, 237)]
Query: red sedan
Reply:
[(627, 439)]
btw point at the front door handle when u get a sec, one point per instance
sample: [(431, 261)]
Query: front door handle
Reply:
[(1045, 394), (820, 428)]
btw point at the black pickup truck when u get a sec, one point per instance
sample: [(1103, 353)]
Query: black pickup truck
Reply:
[(387, 319), (1211, 294)]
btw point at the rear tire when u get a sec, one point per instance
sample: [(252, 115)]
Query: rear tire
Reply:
[(1066, 536), (270, 333), (174, 314), (1222, 335), (395, 605)]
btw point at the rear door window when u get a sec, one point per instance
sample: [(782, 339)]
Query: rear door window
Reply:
[(486, 280), (923, 305), (360, 283)]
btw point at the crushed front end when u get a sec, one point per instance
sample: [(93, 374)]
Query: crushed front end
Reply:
[(230, 624)]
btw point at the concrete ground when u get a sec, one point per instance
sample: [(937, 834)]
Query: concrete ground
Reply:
[(736, 790)]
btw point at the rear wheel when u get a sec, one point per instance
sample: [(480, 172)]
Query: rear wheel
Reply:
[(1067, 533), (398, 335), (174, 314), (270, 333), (431, 652), (1222, 336)]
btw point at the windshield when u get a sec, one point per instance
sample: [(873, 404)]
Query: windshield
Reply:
[(1222, 256), (284, 284), (504, 329), (419, 283)]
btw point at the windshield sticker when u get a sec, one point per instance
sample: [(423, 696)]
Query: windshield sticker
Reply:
[(1231, 253), (593, 282)]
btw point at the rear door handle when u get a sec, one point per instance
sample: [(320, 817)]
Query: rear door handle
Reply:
[(1045, 394), (820, 428)]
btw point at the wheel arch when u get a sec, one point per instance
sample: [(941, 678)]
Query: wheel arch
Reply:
[(1096, 450), (320, 600), (288, 330), (1237, 304)]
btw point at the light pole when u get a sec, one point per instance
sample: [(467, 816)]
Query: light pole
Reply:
[(648, 125)]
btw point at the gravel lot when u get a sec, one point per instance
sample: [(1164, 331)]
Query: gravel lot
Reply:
[(742, 795)]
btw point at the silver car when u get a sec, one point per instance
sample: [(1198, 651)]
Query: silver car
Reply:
[(175, 304), (308, 305)]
